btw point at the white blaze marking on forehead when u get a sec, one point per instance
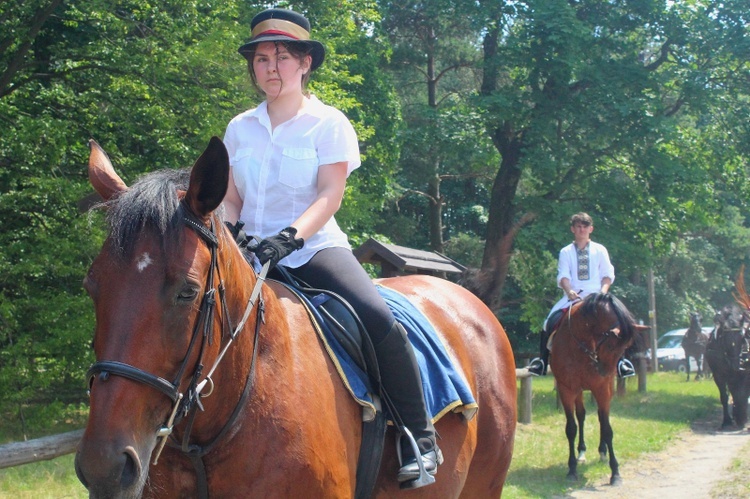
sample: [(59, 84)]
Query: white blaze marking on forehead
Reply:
[(143, 262)]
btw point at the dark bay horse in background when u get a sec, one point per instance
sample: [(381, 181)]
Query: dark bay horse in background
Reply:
[(726, 354), (176, 300), (694, 343), (590, 340)]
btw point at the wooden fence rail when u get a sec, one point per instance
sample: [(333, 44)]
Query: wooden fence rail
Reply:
[(39, 449), (45, 448)]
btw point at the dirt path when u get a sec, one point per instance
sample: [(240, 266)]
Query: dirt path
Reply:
[(700, 464)]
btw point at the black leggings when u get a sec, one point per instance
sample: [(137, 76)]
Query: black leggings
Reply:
[(337, 270)]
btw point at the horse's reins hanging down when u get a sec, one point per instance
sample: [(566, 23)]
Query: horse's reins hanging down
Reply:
[(184, 403)]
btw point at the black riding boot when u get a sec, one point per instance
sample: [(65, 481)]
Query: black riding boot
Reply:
[(402, 382), (538, 366)]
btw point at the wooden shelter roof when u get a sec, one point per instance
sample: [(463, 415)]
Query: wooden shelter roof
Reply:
[(399, 260)]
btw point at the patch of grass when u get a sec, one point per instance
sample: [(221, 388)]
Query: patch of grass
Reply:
[(642, 423), (735, 485), (53, 479)]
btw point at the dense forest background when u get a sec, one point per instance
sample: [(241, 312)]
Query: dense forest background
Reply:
[(483, 126)]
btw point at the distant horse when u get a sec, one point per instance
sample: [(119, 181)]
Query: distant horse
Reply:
[(176, 300), (726, 354), (694, 343), (585, 350)]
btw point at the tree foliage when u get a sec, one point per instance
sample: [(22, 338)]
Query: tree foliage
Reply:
[(151, 81)]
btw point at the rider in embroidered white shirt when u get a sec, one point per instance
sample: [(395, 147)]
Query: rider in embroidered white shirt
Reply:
[(583, 267)]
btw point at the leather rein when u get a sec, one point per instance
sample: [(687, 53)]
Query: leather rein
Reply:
[(184, 403)]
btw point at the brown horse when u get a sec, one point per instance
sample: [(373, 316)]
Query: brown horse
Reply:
[(256, 407), (585, 350)]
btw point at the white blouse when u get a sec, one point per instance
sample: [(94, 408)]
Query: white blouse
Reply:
[(276, 171)]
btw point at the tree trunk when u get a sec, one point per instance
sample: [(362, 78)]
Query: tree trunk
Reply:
[(436, 212)]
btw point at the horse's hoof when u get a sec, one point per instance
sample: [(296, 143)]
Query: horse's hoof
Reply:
[(615, 480), (581, 458), (572, 477)]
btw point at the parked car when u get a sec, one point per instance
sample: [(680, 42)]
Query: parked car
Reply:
[(669, 352)]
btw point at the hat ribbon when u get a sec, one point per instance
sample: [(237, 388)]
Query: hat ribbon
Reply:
[(280, 27)]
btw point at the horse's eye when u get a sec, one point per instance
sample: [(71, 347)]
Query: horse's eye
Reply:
[(188, 294)]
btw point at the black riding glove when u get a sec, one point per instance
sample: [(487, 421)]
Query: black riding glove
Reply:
[(237, 233), (274, 248)]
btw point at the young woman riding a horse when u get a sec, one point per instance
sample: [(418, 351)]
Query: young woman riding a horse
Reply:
[(210, 381)]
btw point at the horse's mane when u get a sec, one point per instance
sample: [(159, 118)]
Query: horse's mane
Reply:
[(152, 202), (625, 319)]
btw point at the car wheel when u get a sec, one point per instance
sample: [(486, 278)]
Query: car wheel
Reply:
[(682, 367)]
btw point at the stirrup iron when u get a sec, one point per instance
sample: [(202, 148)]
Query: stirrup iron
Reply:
[(424, 478)]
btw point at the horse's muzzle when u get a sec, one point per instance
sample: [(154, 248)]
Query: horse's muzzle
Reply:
[(110, 474)]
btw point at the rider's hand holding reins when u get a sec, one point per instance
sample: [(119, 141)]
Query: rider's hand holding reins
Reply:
[(275, 248)]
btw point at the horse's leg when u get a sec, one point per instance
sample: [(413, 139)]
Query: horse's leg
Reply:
[(738, 389), (567, 400), (605, 429), (581, 417), (699, 360), (724, 397), (687, 365)]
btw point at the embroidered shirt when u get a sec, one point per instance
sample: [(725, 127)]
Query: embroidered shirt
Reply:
[(276, 171), (585, 268)]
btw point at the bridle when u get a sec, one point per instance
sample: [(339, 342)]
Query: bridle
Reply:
[(184, 403), (592, 354)]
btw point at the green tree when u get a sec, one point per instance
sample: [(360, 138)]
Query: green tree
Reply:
[(435, 55), (150, 81), (583, 102)]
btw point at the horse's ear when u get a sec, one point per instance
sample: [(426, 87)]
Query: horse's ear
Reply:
[(209, 178), (102, 174)]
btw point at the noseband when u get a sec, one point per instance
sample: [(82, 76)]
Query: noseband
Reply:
[(183, 404)]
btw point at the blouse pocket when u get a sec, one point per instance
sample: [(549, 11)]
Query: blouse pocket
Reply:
[(299, 167)]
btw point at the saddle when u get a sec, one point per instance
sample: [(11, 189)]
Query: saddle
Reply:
[(553, 324), (335, 315)]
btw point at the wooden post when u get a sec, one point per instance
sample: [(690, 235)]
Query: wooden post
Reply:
[(524, 403), (622, 386), (652, 320)]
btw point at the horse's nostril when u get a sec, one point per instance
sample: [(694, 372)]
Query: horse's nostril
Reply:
[(131, 471)]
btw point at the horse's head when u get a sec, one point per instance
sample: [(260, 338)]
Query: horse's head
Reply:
[(730, 337), (610, 325), (152, 288), (695, 320)]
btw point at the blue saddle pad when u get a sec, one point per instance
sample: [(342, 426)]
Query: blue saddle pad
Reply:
[(444, 386)]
